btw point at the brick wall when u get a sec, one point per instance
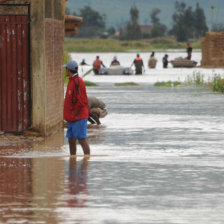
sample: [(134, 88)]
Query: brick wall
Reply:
[(54, 34), (212, 46)]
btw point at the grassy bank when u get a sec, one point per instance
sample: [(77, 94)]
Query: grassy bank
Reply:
[(216, 84), (112, 45), (168, 84), (126, 84)]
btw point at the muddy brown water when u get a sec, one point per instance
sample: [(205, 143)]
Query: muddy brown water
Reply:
[(158, 159)]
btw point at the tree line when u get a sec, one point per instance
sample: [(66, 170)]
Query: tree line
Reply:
[(187, 23)]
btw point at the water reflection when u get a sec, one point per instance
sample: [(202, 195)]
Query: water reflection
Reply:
[(77, 182), (163, 163), (30, 188), (15, 189), (96, 134)]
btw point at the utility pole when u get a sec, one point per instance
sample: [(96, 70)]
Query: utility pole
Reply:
[(212, 16)]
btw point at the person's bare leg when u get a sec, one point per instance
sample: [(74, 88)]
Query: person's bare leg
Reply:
[(85, 146), (72, 146)]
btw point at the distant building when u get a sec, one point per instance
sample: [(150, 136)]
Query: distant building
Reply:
[(146, 29), (117, 33), (212, 50)]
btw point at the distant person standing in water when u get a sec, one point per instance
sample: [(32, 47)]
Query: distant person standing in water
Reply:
[(83, 62), (165, 61), (97, 65), (115, 61), (138, 62), (189, 52), (152, 60), (76, 110)]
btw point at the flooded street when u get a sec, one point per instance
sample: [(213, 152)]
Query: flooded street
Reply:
[(157, 158)]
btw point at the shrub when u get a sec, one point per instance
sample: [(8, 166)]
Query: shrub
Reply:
[(197, 79), (217, 84)]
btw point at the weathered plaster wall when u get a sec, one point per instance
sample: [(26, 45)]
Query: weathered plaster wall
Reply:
[(47, 34), (38, 66)]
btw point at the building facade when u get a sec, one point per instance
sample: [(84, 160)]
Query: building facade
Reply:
[(31, 58)]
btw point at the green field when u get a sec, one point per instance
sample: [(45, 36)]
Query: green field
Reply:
[(113, 45)]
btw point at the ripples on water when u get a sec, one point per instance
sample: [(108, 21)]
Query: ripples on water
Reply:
[(160, 161)]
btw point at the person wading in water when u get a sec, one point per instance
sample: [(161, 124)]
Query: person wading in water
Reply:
[(97, 65), (138, 62), (76, 109)]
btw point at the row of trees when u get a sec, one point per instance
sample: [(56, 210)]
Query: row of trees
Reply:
[(187, 23), (93, 23), (133, 30)]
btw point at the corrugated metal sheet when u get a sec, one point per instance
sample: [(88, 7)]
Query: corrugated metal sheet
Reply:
[(14, 78)]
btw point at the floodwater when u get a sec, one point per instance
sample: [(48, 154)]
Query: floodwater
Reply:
[(157, 158)]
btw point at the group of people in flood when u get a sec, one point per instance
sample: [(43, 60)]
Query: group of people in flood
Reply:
[(138, 62), (189, 53), (79, 108)]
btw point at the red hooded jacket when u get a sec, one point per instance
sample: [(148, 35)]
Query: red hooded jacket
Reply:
[(76, 99)]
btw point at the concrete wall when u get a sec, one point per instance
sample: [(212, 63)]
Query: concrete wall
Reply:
[(47, 33), (38, 65), (212, 46)]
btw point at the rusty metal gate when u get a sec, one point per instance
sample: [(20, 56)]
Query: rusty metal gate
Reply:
[(14, 68)]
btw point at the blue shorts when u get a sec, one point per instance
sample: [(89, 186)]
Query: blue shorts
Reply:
[(77, 129)]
